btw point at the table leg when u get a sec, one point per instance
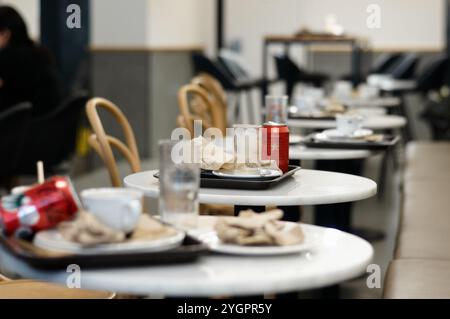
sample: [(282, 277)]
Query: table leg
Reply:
[(291, 213)]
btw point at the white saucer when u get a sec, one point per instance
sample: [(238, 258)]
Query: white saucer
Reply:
[(295, 139), (335, 134), (268, 173), (211, 239)]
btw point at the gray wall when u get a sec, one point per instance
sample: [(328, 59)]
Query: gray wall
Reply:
[(144, 85)]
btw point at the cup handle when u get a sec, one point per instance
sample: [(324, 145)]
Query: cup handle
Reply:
[(135, 208)]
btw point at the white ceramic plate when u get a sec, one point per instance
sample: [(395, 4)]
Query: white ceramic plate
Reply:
[(335, 134), (211, 239), (243, 174), (54, 241)]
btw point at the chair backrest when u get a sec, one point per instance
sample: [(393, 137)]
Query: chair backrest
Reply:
[(14, 127), (52, 137), (433, 75), (286, 68), (214, 88), (103, 143), (195, 104), (203, 64), (405, 67), (235, 65), (384, 62)]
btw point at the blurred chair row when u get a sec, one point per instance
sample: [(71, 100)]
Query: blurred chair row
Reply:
[(233, 75), (26, 139)]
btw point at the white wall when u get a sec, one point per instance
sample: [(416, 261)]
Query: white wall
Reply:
[(119, 23), (29, 9), (151, 23), (404, 23), (180, 22)]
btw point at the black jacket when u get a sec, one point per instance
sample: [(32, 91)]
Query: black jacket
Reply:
[(27, 73)]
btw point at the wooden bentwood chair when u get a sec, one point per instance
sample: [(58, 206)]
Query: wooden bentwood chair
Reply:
[(204, 99), (196, 104), (30, 289), (103, 143)]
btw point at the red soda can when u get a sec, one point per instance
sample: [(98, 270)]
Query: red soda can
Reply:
[(39, 207), (275, 144)]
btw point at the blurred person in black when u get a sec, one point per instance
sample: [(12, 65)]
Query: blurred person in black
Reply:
[(27, 70)]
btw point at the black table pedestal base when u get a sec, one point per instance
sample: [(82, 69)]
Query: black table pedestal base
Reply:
[(368, 234)]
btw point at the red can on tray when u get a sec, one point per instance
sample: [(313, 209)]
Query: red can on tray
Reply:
[(275, 144), (39, 207)]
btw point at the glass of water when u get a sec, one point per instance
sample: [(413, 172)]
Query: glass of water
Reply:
[(179, 180), (276, 108)]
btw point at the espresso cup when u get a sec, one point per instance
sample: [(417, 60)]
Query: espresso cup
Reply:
[(117, 208), (367, 91), (343, 90), (348, 124)]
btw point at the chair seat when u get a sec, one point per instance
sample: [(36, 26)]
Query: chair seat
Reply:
[(416, 278), (27, 289)]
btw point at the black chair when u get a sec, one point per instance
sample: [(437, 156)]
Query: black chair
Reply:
[(52, 137), (14, 123), (384, 62), (289, 72), (404, 68), (433, 76), (381, 65), (203, 64)]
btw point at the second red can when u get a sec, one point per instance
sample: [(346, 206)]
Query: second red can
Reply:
[(275, 144)]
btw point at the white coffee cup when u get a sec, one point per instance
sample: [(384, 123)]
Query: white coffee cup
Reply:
[(366, 91), (305, 104), (343, 90), (118, 208), (348, 124)]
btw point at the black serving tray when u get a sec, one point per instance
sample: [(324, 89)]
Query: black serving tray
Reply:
[(294, 116), (388, 141), (189, 251), (209, 180)]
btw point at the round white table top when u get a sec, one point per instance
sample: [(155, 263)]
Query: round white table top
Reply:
[(378, 122), (338, 257), (306, 187), (301, 152)]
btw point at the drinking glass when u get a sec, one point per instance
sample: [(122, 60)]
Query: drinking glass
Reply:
[(179, 180), (276, 108)]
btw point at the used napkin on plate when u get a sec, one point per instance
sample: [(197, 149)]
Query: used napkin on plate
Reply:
[(251, 228), (88, 231), (214, 157)]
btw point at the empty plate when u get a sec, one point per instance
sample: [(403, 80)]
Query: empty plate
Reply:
[(257, 173), (335, 134)]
